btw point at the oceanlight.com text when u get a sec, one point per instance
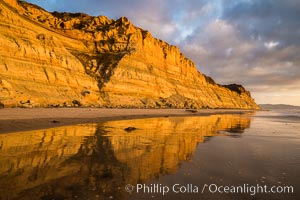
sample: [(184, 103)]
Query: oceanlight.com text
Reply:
[(208, 188)]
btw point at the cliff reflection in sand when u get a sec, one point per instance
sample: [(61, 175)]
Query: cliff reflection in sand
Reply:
[(98, 160)]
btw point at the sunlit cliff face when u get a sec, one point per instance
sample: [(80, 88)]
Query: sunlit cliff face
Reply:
[(99, 159), (255, 43), (65, 59)]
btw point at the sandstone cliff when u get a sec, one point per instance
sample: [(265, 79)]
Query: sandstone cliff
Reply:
[(63, 59)]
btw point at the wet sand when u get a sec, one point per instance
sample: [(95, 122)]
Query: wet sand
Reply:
[(98, 160), (265, 154), (22, 119)]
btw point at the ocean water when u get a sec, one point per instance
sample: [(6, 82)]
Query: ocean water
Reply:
[(281, 113), (243, 156)]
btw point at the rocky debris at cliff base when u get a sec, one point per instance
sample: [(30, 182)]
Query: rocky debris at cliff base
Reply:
[(76, 103), (26, 104)]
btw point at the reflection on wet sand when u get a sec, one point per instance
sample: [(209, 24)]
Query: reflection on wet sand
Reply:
[(95, 161)]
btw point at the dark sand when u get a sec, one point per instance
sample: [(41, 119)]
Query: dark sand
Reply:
[(22, 119)]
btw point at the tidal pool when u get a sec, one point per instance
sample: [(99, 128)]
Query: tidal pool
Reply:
[(183, 154)]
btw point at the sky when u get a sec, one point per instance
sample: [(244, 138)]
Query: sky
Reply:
[(255, 43)]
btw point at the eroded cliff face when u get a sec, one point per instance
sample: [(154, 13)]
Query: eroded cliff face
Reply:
[(56, 58)]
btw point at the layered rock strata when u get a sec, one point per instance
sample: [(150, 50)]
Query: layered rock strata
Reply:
[(63, 59)]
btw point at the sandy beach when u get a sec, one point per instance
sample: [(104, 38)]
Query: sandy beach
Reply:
[(22, 119), (76, 152)]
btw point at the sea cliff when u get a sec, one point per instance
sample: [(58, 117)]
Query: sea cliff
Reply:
[(73, 59)]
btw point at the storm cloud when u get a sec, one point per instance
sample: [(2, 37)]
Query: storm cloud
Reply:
[(252, 42)]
